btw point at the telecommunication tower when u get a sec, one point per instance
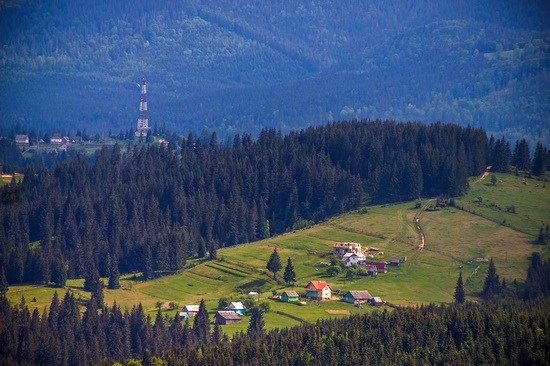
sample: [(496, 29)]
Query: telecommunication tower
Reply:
[(143, 121)]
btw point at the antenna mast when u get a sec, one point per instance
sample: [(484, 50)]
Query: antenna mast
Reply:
[(143, 120)]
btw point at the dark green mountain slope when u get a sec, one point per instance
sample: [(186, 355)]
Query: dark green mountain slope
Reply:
[(235, 66)]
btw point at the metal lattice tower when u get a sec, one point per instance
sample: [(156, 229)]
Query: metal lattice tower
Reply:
[(143, 120)]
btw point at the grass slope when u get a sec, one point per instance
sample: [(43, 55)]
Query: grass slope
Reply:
[(454, 238)]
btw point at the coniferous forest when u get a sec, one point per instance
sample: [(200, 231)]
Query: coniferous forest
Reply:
[(503, 331), (149, 209)]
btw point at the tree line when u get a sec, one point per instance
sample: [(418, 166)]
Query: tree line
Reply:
[(149, 209), (513, 331)]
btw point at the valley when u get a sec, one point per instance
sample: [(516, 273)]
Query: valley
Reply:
[(454, 238)]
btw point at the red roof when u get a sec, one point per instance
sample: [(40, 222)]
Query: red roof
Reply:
[(319, 285)]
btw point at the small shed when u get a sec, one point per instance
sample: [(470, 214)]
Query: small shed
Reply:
[(376, 301), (357, 297), (381, 267), (237, 307), (290, 296), (22, 139), (395, 261), (371, 269), (226, 317)]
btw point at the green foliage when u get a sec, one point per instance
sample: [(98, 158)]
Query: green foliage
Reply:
[(492, 286), (4, 286), (256, 326), (223, 303), (274, 263), (447, 63), (459, 290), (201, 324), (537, 284), (334, 271), (289, 275)]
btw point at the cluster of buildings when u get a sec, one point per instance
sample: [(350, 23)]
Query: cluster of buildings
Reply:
[(231, 314), (321, 290), (57, 142), (352, 254)]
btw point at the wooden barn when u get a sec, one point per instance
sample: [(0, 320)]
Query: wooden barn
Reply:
[(226, 317)]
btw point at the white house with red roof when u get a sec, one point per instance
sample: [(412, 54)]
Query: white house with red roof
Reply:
[(319, 290)]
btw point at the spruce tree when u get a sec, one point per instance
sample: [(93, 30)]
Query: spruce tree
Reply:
[(3, 282), (491, 287), (459, 290), (217, 334), (256, 326), (59, 273), (212, 251), (201, 324), (538, 167), (97, 294), (114, 276), (274, 263), (290, 275)]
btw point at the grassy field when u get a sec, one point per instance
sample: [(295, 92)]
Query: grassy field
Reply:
[(454, 238)]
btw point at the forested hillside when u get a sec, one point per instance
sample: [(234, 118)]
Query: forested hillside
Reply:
[(472, 333), (239, 67), (149, 209)]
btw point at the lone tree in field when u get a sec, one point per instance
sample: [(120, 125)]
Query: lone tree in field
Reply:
[(290, 275), (274, 263), (459, 291)]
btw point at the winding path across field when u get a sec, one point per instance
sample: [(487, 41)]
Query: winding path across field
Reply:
[(422, 240)]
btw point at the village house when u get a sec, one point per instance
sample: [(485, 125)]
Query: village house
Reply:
[(376, 301), (237, 307), (340, 249), (357, 297), (188, 311), (226, 317), (381, 267), (353, 258), (56, 140), (290, 296), (372, 270), (319, 290), (22, 139)]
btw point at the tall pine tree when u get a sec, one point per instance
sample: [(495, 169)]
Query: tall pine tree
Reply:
[(274, 263), (491, 287), (201, 324), (290, 275), (459, 290)]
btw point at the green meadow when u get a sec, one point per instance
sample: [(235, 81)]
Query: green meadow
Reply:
[(455, 241)]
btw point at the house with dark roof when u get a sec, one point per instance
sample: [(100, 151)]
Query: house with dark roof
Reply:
[(290, 296), (381, 267), (319, 290), (357, 297), (372, 270), (22, 139), (395, 261), (226, 317)]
